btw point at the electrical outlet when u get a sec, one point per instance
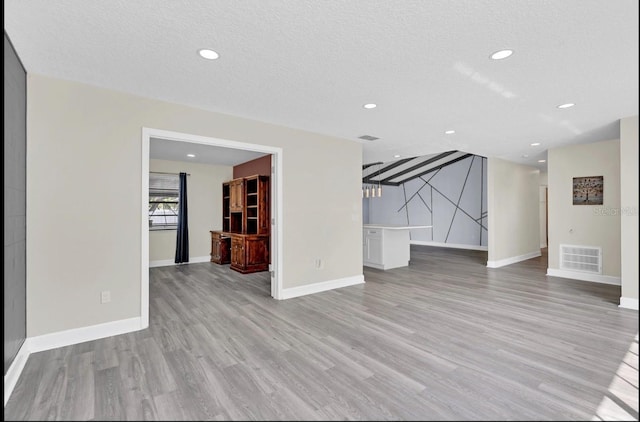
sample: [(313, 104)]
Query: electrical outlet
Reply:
[(105, 296)]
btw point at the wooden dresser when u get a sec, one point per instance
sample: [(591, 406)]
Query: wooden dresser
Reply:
[(220, 247), (249, 252)]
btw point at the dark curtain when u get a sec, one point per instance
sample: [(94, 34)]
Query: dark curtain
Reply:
[(182, 239)]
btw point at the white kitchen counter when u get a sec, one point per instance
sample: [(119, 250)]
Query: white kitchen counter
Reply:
[(386, 246), (392, 227)]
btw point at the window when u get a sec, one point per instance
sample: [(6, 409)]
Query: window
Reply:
[(163, 201)]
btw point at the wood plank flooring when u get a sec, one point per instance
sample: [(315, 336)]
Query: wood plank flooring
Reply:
[(443, 339)]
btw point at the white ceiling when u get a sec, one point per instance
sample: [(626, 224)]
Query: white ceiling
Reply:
[(162, 149), (312, 64)]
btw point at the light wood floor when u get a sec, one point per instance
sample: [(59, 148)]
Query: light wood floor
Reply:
[(443, 339)]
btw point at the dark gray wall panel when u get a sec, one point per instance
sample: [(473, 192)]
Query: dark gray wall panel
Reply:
[(15, 189)]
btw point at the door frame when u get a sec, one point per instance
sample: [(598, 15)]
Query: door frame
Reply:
[(276, 206)]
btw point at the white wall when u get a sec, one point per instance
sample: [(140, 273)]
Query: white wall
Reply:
[(84, 160), (514, 221), (629, 210), (431, 200), (585, 225), (204, 196), (543, 209)]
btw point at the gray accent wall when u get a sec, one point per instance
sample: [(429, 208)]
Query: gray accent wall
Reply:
[(15, 141), (453, 200)]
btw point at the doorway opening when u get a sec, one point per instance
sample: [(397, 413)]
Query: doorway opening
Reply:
[(275, 267)]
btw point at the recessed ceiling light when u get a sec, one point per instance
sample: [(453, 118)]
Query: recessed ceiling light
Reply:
[(205, 53), (542, 161), (567, 105), (368, 137), (191, 155), (396, 156), (370, 105), (535, 144), (502, 54), (525, 155), (450, 132)]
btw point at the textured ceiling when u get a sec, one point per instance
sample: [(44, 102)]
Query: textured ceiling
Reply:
[(312, 64), (163, 149)]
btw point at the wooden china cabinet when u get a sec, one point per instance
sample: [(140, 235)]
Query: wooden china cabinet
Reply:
[(236, 193), (244, 240)]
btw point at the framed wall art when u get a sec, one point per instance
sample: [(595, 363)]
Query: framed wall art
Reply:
[(588, 190)]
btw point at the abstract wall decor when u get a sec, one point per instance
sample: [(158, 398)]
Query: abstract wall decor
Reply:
[(451, 199), (588, 190)]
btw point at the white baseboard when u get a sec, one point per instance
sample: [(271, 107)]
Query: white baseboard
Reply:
[(512, 260), (448, 245), (61, 339), (577, 275), (386, 266), (629, 303), (161, 263), (321, 287), (11, 379), (82, 334), (169, 262)]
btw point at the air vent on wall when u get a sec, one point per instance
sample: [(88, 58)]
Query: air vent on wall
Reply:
[(368, 137), (581, 258)]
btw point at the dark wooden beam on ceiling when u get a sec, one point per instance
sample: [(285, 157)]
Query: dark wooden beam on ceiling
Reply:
[(432, 169), (384, 169), (383, 183), (417, 166), (366, 166)]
